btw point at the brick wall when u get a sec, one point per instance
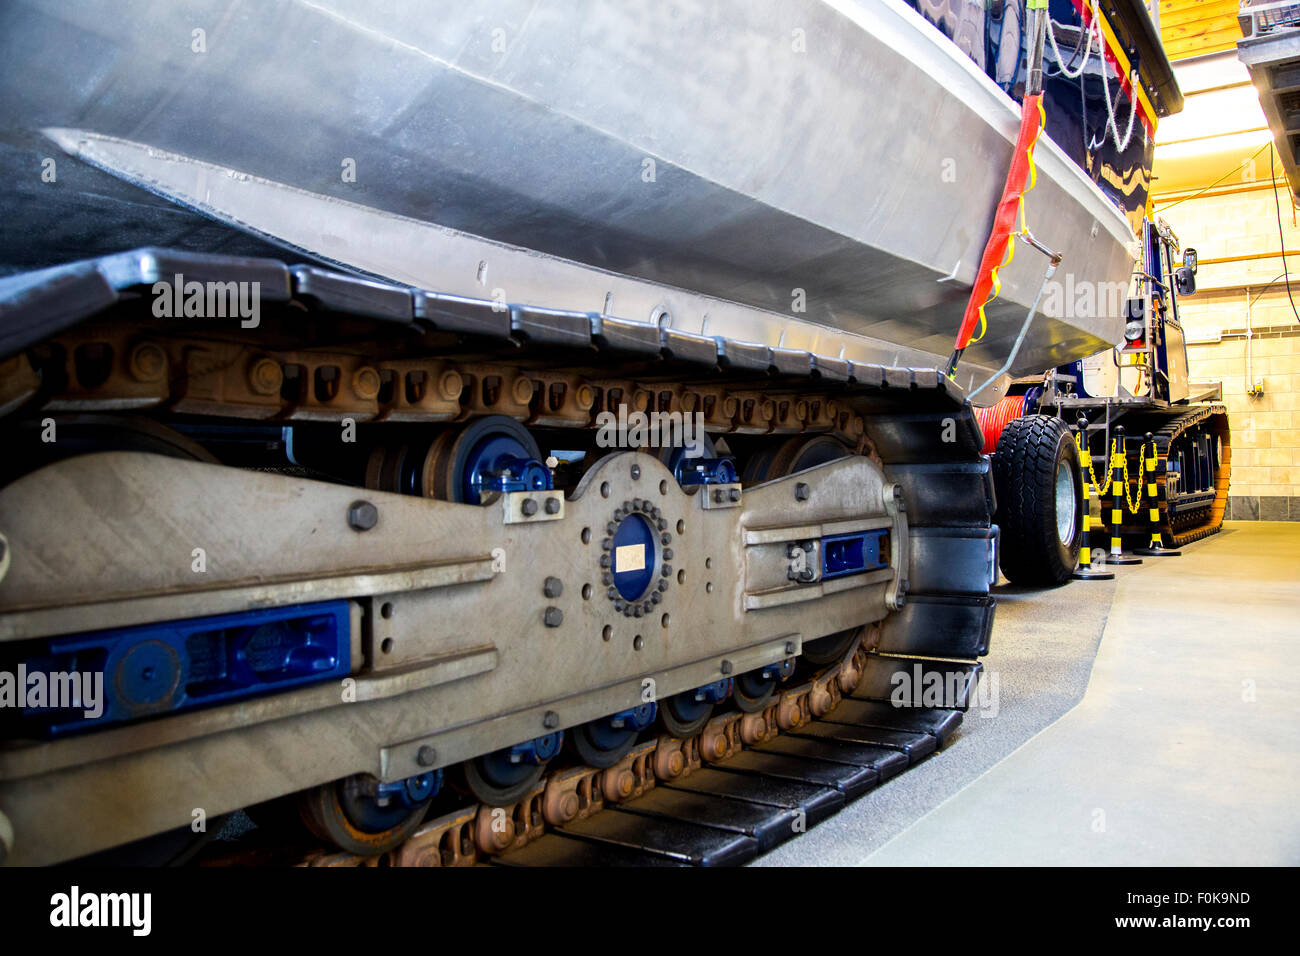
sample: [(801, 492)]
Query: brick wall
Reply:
[(1265, 427)]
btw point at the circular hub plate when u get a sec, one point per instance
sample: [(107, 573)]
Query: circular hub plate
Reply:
[(634, 552), (637, 555)]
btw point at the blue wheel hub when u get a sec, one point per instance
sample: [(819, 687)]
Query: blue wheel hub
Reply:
[(700, 470), (506, 767), (538, 750), (613, 732), (635, 563), (375, 807), (634, 550), (501, 463), (693, 704), (714, 693)]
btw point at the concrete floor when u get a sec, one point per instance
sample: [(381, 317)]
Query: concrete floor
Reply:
[(1153, 719)]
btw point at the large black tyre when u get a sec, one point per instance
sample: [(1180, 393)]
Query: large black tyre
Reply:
[(1040, 501)]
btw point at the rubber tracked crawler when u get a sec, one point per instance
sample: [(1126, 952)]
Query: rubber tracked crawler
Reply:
[(397, 588), (1159, 459), (404, 421)]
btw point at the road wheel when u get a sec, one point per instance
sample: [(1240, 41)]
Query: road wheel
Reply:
[(1040, 501)]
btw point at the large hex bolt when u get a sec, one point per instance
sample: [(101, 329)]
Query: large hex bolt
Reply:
[(552, 587), (552, 617), (426, 756), (362, 516)]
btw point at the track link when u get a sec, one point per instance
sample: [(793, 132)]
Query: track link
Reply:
[(747, 784)]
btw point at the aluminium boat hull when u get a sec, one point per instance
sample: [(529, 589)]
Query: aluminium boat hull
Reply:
[(832, 165)]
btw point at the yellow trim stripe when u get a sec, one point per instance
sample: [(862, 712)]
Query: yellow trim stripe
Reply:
[(1115, 50)]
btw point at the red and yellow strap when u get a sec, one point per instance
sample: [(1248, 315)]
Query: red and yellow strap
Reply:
[(1001, 246)]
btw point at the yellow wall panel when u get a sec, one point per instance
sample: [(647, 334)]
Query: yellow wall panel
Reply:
[(1174, 13), (1196, 27)]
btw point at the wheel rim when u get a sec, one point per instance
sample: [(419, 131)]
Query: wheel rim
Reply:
[(684, 716), (829, 649), (483, 779), (364, 811), (336, 812), (1065, 518), (601, 746), (797, 454), (753, 692)]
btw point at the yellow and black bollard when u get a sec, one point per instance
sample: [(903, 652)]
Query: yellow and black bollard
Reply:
[(1157, 546), (1118, 493), (1085, 571)]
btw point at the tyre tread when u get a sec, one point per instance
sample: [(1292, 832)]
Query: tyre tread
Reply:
[(1024, 477)]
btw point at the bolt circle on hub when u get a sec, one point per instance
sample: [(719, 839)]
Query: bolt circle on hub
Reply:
[(636, 551)]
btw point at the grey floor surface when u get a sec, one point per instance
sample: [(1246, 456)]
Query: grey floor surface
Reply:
[(1152, 719)]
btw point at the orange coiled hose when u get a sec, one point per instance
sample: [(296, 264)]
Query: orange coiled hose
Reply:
[(994, 418)]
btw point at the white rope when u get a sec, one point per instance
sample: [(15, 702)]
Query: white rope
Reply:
[(1090, 143), (1094, 27), (1087, 50), (1121, 143)]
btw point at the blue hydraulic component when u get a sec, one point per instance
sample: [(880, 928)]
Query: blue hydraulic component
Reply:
[(633, 552), (778, 670), (637, 718), (714, 693), (845, 554), (699, 470), (1160, 296), (611, 733), (153, 669), (705, 471), (1034, 395), (375, 807), (538, 750), (412, 791), (501, 463)]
